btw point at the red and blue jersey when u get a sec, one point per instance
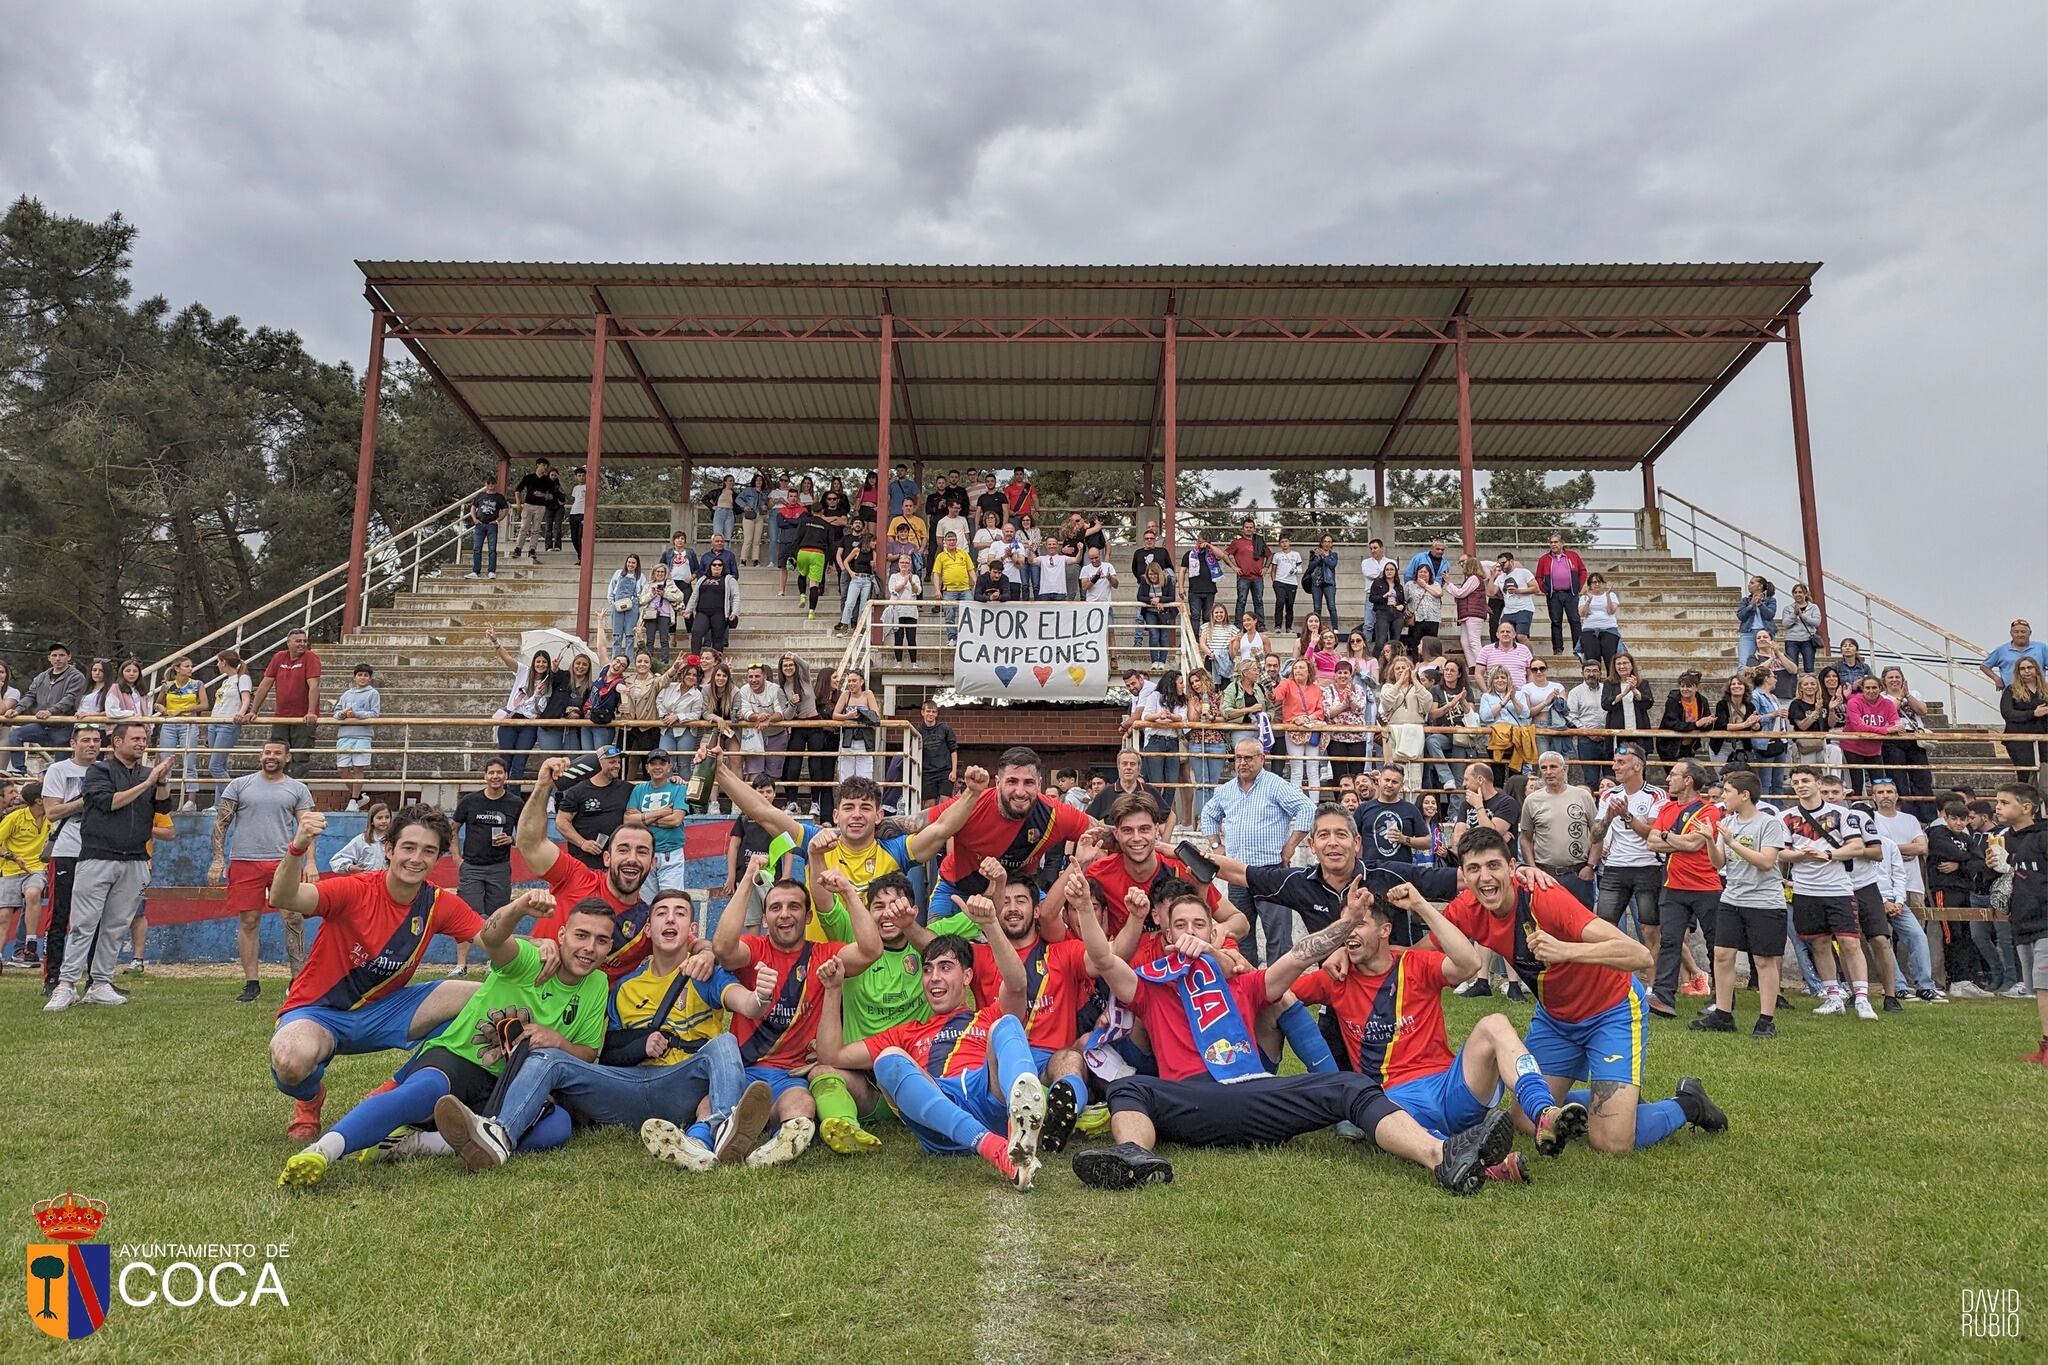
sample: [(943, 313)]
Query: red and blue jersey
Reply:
[(369, 944), (572, 882), (1393, 1023), (785, 1035), (1056, 985), (1568, 991), (943, 1045)]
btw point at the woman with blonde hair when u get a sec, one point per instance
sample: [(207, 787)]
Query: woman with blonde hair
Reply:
[(1469, 593)]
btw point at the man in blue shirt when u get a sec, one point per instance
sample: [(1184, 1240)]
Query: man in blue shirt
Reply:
[(660, 806), (1437, 556), (1998, 664)]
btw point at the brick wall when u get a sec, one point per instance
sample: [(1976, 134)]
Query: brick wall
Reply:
[(1064, 736)]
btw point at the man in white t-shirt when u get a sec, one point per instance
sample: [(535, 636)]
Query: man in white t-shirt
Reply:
[(1824, 908), (1630, 874), (1924, 956), (1286, 583), (1866, 884), (1372, 566), (1517, 595), (1052, 575), (64, 808), (1098, 580)]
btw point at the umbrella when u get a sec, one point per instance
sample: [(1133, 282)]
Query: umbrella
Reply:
[(559, 644)]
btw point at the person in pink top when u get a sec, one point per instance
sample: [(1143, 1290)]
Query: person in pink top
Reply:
[(1468, 589), (1507, 652), (1869, 716), (1301, 703)]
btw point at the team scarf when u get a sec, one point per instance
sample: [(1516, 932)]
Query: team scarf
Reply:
[(1221, 1038)]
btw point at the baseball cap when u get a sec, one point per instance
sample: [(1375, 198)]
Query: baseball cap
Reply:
[(658, 756)]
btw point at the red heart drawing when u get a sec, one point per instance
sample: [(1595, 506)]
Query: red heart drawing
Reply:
[(1042, 674)]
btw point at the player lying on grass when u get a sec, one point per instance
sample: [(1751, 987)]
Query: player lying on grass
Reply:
[(355, 993), (514, 1005), (1591, 1022), (1057, 983), (777, 1048), (1389, 1006), (1212, 1089), (964, 1080), (668, 1054)]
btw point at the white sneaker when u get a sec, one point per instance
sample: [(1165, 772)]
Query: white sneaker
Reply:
[(666, 1142), (469, 575), (1833, 1005), (480, 1142), (787, 1145), (2016, 991), (63, 998), (189, 807), (103, 994), (1967, 990), (1863, 1009), (1027, 1119)]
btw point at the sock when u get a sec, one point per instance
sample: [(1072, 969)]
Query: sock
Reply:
[(829, 1093), (1832, 990), (1657, 1121), (1583, 1096), (1862, 989), (432, 1143), (701, 1130), (1080, 1088), (924, 1107), (331, 1145), (410, 1102), (550, 1130), (1299, 1028), (995, 1150), (1532, 1092)]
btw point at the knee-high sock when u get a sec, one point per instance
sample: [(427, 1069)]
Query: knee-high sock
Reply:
[(1011, 1052), (1656, 1121), (1532, 1094), (917, 1097), (551, 1129), (833, 1099), (304, 1090), (411, 1101), (1299, 1028)]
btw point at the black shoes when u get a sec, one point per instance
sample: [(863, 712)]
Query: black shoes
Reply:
[(1468, 1154), (250, 990), (1061, 1111), (1127, 1166), (1701, 1112), (1766, 1027), (1711, 1020)]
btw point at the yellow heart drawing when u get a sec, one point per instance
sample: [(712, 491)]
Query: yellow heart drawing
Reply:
[(1077, 673)]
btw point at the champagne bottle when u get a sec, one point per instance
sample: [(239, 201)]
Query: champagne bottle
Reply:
[(703, 783)]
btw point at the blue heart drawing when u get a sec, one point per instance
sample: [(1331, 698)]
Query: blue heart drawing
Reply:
[(1005, 674)]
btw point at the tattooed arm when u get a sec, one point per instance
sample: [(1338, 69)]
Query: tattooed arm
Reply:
[(1311, 950)]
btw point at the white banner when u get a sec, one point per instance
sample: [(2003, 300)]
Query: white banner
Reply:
[(1033, 651)]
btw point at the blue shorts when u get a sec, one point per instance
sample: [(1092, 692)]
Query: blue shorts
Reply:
[(373, 1028), (1443, 1103), (1041, 1057), (1608, 1047), (779, 1082)]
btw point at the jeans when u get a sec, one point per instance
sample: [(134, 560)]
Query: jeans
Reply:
[(1802, 652), (1161, 764), (858, 591), (1803, 955), (1745, 646), (514, 741), (1994, 944), (481, 535), (551, 528), (1322, 601), (1437, 748), (105, 895), (953, 613), (1205, 762), (624, 1096), (219, 739), (1564, 606), (1915, 964), (660, 634), (46, 733), (1637, 886), (1253, 589), (721, 523), (180, 737), (1153, 633)]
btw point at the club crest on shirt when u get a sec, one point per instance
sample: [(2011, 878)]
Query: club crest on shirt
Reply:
[(911, 965)]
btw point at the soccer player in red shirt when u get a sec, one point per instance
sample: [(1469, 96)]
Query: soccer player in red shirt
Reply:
[(1136, 861), (1213, 1090), (355, 993), (1389, 1007), (1591, 1023), (1687, 832), (628, 859), (782, 964), (964, 1080), (1014, 822)]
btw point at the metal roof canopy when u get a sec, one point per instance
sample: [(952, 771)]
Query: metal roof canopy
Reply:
[(1570, 367)]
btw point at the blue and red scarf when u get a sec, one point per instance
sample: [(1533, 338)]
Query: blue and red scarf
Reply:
[(1221, 1037)]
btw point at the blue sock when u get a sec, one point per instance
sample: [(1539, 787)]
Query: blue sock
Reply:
[(1011, 1052), (1584, 1097), (411, 1101), (1298, 1027), (1080, 1089), (1532, 1092), (1657, 1121), (923, 1106), (551, 1129), (701, 1130), (304, 1090)]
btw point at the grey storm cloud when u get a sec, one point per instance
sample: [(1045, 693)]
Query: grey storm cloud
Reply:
[(262, 147)]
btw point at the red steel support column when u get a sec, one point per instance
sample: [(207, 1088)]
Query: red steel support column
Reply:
[(1649, 485), (1802, 454), (888, 403), (593, 453), (1169, 410), (366, 460), (1465, 493), (504, 473)]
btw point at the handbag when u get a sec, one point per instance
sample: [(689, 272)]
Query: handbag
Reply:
[(622, 604)]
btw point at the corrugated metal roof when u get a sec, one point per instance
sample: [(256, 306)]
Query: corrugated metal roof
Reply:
[(1243, 403)]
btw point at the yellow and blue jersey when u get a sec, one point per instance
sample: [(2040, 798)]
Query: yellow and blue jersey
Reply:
[(694, 1020)]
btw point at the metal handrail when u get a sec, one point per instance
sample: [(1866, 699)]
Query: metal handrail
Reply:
[(378, 571), (1947, 659)]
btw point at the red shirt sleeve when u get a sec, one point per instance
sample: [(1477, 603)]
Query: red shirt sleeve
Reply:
[(1068, 822), (1425, 969), (896, 1035), (270, 669), (454, 917), (312, 664), (571, 881), (1559, 914), (1313, 988), (337, 895)]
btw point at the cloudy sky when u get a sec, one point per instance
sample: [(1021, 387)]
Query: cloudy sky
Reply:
[(262, 147)]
